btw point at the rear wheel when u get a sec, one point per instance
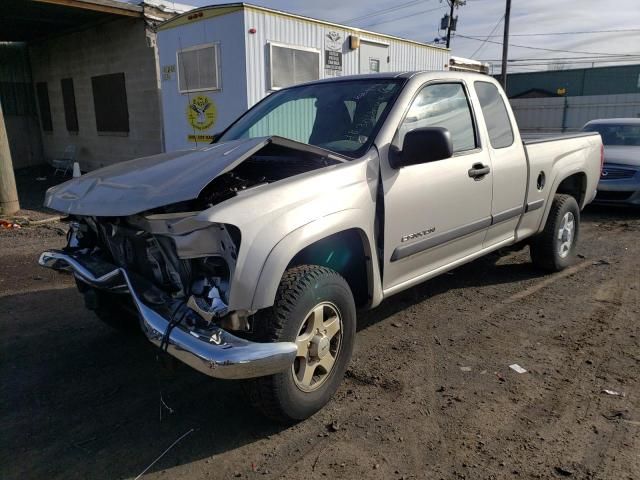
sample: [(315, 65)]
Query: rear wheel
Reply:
[(315, 309), (554, 248)]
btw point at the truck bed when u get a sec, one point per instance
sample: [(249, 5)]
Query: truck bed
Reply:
[(546, 157)]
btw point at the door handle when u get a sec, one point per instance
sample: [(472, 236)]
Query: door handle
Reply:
[(478, 170)]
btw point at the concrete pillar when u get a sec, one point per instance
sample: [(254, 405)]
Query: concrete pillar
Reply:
[(8, 192)]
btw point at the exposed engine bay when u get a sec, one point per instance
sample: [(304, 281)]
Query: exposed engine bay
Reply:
[(200, 283), (272, 163)]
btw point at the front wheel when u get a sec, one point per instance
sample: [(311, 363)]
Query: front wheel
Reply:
[(554, 248), (314, 308)]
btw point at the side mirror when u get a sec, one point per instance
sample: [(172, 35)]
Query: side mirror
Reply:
[(423, 145)]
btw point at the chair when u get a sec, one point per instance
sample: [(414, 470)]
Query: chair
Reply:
[(64, 163)]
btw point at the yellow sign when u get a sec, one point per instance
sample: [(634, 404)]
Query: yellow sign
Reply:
[(201, 112), (200, 138)]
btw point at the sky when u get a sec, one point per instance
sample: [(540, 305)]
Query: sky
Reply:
[(534, 23)]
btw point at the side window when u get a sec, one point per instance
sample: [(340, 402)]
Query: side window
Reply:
[(69, 102), (442, 105), (42, 91), (110, 103), (291, 65), (199, 68), (495, 115)]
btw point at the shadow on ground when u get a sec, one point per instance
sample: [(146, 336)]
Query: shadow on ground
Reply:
[(32, 184)]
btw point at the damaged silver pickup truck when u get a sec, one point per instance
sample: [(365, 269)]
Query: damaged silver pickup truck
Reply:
[(247, 259)]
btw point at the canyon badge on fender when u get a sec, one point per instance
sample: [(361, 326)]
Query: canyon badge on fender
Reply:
[(413, 236)]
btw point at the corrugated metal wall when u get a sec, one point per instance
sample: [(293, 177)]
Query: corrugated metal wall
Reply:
[(559, 114), (279, 28), (229, 102), (578, 82)]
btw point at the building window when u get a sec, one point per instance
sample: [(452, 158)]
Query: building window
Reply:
[(42, 92), (110, 103), (199, 68), (495, 115), (291, 65), (69, 101), (442, 105)]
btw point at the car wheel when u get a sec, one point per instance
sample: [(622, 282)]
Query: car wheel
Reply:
[(314, 308), (554, 248)]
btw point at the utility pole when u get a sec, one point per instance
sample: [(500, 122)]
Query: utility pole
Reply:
[(8, 192), (448, 22), (505, 45), (452, 4)]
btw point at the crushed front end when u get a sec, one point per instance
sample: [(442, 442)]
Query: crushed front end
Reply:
[(175, 273)]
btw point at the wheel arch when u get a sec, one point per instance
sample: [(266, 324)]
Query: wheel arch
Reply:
[(572, 183), (333, 242)]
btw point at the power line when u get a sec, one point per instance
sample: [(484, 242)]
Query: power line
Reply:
[(385, 11), (400, 18), (539, 59), (566, 33), (580, 62), (550, 49), (488, 36)]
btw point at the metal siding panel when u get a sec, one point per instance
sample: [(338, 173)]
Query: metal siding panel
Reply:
[(276, 28), (230, 101)]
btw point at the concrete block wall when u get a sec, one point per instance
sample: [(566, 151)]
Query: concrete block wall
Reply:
[(113, 47)]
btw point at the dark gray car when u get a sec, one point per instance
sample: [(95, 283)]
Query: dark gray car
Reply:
[(620, 178)]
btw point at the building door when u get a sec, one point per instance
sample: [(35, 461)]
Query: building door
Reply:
[(374, 57)]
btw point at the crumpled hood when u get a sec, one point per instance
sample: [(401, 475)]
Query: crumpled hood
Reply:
[(145, 183), (622, 155)]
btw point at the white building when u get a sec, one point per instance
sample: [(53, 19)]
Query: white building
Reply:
[(218, 61)]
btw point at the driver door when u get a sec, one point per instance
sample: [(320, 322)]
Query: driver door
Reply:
[(438, 212)]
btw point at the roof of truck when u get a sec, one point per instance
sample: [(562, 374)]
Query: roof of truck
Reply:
[(443, 74)]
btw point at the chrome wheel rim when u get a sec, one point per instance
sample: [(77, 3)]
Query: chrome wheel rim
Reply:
[(566, 234), (319, 341)]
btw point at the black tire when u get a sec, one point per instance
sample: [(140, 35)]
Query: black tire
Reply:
[(116, 310), (545, 248), (301, 290)]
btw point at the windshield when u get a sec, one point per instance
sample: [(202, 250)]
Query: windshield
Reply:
[(343, 117), (617, 133)]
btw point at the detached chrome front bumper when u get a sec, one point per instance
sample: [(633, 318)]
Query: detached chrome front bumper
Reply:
[(213, 351)]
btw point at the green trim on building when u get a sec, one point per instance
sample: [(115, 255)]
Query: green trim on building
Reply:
[(578, 82)]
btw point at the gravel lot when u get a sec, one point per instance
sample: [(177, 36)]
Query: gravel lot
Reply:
[(429, 393)]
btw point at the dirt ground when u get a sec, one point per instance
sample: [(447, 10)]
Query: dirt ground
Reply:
[(429, 394)]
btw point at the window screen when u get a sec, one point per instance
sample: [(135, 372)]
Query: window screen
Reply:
[(69, 101), (42, 91), (495, 115), (110, 103), (290, 66), (198, 69), (442, 105)]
